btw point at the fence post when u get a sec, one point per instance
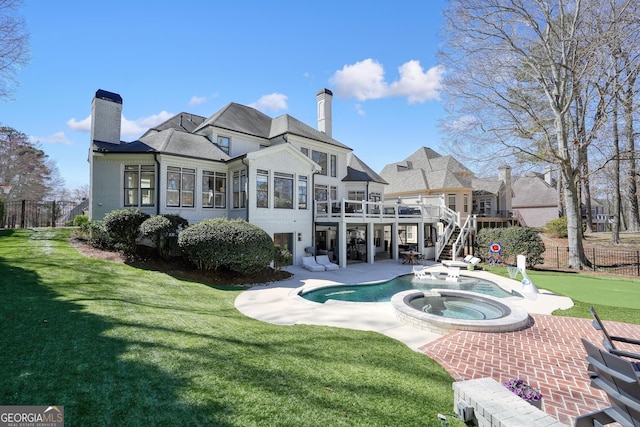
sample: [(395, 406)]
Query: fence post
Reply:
[(593, 251), (557, 257), (638, 261), (23, 213), (53, 214)]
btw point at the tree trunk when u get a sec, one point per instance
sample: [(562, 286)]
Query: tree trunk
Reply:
[(615, 217), (631, 184)]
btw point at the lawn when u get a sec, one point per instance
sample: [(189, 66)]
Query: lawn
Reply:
[(116, 345), (614, 298)]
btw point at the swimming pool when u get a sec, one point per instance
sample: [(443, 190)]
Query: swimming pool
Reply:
[(383, 291)]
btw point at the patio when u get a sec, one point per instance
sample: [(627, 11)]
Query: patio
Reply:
[(548, 354)]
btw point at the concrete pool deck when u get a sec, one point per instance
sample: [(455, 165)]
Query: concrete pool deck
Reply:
[(548, 354), (279, 302)]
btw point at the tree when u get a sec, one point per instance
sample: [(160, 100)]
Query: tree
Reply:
[(515, 70), (23, 165), (14, 45)]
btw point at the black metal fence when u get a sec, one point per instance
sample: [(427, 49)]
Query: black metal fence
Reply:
[(623, 262), (31, 213)]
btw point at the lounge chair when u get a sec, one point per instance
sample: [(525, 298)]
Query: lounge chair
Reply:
[(619, 380), (420, 272), (310, 264), (453, 274), (608, 340), (324, 261)]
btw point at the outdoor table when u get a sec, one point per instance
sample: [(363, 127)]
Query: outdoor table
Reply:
[(410, 257)]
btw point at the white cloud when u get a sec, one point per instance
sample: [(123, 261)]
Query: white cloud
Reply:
[(360, 110), (366, 80), (196, 100), (82, 125), (417, 85), (128, 128), (272, 102), (56, 138), (362, 80)]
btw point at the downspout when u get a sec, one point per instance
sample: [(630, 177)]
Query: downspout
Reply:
[(155, 158), (246, 189)]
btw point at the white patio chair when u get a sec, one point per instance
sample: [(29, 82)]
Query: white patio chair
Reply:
[(324, 261), (310, 264)]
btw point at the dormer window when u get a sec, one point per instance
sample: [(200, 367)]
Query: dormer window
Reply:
[(223, 143)]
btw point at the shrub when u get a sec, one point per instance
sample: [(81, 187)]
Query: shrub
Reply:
[(80, 220), (557, 227), (123, 227), (236, 245), (514, 241), (160, 228), (281, 257), (97, 235)]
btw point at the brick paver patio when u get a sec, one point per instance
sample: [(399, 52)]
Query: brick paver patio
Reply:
[(548, 355)]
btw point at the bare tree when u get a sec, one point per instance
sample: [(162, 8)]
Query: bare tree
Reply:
[(515, 69), (14, 45), (23, 165)]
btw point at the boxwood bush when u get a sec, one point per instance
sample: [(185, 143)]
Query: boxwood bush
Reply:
[(123, 226), (220, 243), (514, 241), (160, 228)]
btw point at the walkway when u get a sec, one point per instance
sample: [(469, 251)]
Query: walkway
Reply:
[(548, 355)]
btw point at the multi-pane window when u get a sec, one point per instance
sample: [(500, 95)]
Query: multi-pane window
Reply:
[(333, 193), (305, 151), (334, 165), (451, 201), (375, 197), (139, 185), (356, 195), (181, 183), (283, 190), (320, 194), (321, 159), (214, 189), (240, 189), (465, 203), (224, 142), (302, 192), (262, 188)]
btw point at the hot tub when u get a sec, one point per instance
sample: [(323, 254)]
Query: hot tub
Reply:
[(441, 311)]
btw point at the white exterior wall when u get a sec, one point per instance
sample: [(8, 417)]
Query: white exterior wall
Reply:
[(273, 220)]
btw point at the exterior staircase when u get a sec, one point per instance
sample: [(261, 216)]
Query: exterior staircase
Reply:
[(447, 249)]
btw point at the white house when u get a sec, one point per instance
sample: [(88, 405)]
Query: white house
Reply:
[(307, 190)]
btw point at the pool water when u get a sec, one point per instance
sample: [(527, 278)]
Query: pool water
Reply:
[(455, 307), (383, 291)]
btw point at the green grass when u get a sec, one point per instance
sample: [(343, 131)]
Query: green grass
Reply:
[(116, 345), (614, 298)]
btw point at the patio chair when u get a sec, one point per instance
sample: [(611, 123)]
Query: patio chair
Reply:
[(420, 272), (453, 274), (310, 264), (619, 380), (608, 340), (324, 261)]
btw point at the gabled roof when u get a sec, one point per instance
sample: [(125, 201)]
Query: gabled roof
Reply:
[(357, 170), (423, 170), (184, 121), (240, 118), (532, 190), (169, 141)]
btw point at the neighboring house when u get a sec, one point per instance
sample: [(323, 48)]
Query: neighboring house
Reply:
[(428, 173), (305, 189), (535, 199)]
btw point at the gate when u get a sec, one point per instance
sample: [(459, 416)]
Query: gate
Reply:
[(31, 213)]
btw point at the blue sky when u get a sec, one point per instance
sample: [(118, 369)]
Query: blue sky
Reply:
[(379, 59)]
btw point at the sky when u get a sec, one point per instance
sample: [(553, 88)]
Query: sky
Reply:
[(166, 57)]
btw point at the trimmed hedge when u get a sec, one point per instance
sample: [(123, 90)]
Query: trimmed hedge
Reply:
[(514, 241), (123, 227), (236, 245), (160, 228)]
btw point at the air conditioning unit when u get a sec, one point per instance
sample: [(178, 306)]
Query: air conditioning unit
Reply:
[(464, 412)]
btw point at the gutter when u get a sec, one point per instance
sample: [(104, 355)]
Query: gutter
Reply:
[(155, 159), (246, 189)]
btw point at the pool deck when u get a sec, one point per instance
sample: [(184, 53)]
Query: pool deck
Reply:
[(548, 354)]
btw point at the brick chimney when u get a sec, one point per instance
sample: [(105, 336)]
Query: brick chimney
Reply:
[(324, 98), (106, 113)]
